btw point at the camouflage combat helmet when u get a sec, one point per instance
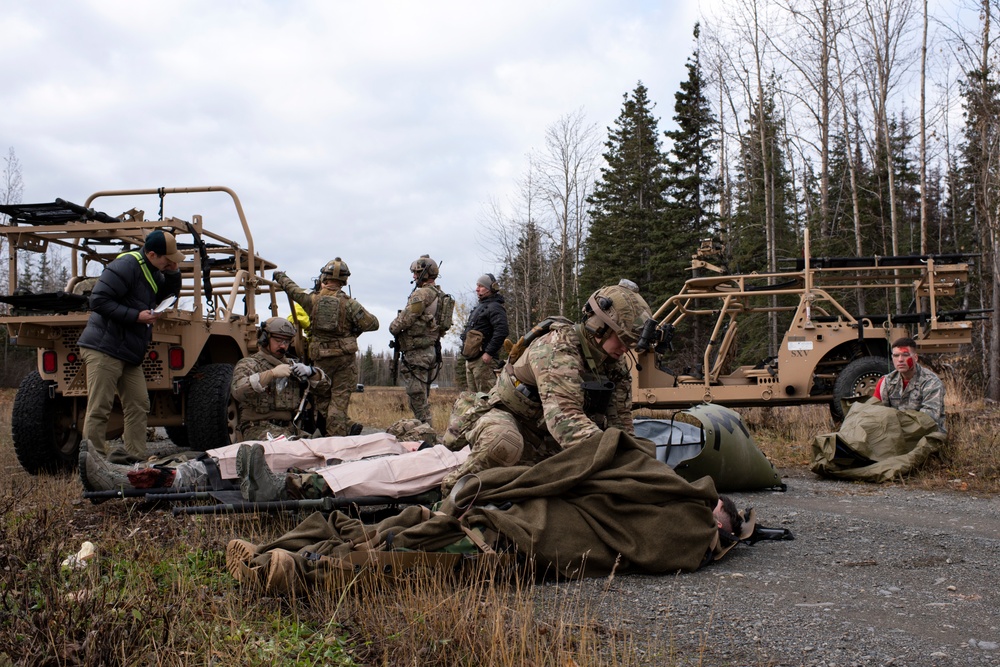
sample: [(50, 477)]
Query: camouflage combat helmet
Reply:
[(275, 326), (618, 308), (336, 269), (425, 267)]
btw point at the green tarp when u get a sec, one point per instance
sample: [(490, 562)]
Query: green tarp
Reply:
[(876, 443)]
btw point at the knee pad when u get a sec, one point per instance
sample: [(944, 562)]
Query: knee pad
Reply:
[(504, 446)]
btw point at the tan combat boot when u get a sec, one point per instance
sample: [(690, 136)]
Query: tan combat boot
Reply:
[(239, 562)]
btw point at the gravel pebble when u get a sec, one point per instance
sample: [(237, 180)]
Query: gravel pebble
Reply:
[(861, 584)]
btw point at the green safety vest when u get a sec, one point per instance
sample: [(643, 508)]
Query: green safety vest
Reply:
[(144, 265)]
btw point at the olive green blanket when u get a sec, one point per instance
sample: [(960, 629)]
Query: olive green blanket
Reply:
[(602, 506)]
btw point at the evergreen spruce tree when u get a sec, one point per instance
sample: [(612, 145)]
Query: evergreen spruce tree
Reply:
[(627, 207), (749, 236), (979, 186), (693, 191)]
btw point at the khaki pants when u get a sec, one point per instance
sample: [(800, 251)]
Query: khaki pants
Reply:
[(107, 376), (480, 375)]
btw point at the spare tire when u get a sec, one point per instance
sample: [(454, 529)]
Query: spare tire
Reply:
[(211, 410), (858, 378), (44, 439)]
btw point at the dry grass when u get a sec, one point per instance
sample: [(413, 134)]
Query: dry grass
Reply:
[(158, 592), (380, 407)]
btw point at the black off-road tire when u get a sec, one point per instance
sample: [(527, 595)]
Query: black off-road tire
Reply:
[(211, 411), (857, 379), (41, 440), (178, 435)]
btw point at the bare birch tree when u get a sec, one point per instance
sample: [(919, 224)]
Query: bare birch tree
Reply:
[(11, 191), (567, 169)]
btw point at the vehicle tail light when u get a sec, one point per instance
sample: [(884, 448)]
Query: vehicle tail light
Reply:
[(175, 358), (49, 361)]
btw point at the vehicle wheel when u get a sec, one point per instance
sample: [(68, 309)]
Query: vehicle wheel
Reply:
[(44, 439), (211, 411), (178, 435), (857, 379)]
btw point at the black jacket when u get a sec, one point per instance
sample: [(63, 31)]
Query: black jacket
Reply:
[(489, 317), (121, 293)]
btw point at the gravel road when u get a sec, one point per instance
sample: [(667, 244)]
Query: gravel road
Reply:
[(876, 575)]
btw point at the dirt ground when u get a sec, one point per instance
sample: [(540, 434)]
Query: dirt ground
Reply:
[(876, 575)]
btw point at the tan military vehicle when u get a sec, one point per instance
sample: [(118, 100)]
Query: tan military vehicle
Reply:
[(828, 352), (189, 364)]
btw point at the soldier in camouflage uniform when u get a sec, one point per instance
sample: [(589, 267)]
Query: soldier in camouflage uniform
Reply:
[(417, 335), (912, 386), (269, 388), (335, 321), (569, 384)]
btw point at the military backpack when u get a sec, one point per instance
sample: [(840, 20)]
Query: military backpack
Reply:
[(329, 315), (445, 312)]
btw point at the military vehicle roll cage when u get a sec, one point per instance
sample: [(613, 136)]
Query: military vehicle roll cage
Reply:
[(827, 353), (188, 365)]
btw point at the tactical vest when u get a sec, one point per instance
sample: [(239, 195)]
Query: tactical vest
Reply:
[(517, 392), (424, 330), (280, 399), (330, 328)]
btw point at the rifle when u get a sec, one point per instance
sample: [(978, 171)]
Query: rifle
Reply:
[(394, 366), (326, 504)]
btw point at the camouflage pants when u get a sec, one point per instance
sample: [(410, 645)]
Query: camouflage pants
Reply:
[(499, 439), (480, 375), (343, 374), (417, 368), (303, 485)]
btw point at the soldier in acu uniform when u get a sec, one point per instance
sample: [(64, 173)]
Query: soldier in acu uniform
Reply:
[(570, 383), (336, 320), (912, 386), (269, 388), (417, 334)]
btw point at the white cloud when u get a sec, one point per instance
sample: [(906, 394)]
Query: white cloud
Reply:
[(373, 131)]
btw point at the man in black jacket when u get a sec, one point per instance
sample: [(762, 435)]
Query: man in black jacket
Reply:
[(484, 334), (114, 342)]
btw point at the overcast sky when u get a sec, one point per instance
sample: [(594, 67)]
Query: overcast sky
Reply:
[(375, 131)]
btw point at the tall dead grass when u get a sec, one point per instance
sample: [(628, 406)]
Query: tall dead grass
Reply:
[(380, 407), (158, 592)]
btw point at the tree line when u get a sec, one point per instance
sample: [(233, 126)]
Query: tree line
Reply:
[(872, 124)]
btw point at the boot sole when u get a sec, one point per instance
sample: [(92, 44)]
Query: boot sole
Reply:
[(239, 559)]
